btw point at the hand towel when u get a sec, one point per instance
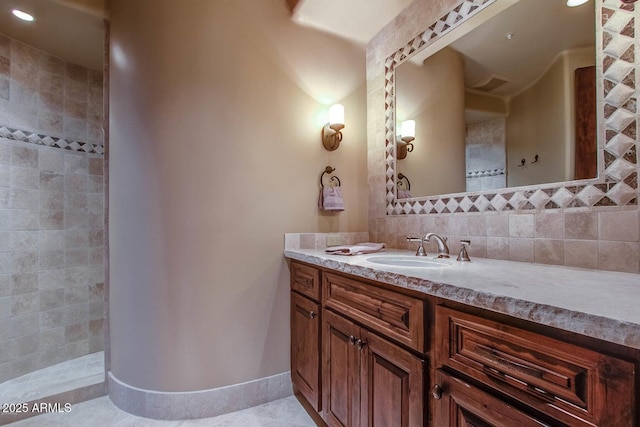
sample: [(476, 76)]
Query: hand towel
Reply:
[(331, 199), (357, 249), (404, 194)]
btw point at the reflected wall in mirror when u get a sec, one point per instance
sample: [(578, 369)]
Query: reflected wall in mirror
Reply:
[(506, 91), (616, 182), (52, 294)]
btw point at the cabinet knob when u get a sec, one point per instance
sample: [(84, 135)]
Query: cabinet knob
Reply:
[(361, 344), (312, 314), (436, 391), (352, 340)]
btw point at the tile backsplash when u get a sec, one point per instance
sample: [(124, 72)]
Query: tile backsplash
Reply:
[(322, 240), (575, 224)]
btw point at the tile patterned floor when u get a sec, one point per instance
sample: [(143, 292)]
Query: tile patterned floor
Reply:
[(69, 375), (101, 412)]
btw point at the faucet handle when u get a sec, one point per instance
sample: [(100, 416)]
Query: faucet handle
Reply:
[(463, 255), (420, 251)]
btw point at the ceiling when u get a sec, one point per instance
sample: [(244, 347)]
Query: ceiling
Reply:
[(73, 29), (69, 29), (539, 29), (354, 20)]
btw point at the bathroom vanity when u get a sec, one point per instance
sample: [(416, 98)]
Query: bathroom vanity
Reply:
[(486, 343)]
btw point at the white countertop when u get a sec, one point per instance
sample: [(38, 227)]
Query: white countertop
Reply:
[(599, 304)]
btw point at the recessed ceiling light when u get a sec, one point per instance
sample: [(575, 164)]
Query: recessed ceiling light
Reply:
[(22, 15), (574, 3)]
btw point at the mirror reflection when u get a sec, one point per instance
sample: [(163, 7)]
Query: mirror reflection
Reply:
[(514, 103)]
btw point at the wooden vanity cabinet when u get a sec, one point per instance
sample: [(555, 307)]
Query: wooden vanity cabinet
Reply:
[(356, 350), (359, 352), (306, 327)]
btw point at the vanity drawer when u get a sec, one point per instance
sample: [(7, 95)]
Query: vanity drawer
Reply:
[(575, 385), (392, 314), (306, 280)]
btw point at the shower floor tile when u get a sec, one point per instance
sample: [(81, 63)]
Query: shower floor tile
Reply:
[(102, 412), (69, 375)]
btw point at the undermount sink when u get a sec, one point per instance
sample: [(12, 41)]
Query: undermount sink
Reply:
[(409, 261)]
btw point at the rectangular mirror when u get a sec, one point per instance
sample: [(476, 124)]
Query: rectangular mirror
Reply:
[(488, 111)]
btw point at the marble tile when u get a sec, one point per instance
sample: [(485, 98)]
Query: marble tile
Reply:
[(618, 226), (521, 249), (497, 225), (521, 225), (101, 412), (24, 157), (619, 256), (548, 251), (549, 225), (51, 161), (51, 64), (581, 225)]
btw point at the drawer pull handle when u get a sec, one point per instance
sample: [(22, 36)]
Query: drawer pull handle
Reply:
[(361, 344), (312, 314), (493, 356), (436, 391)]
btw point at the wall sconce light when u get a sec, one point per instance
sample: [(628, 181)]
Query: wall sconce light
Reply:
[(331, 132), (404, 144)]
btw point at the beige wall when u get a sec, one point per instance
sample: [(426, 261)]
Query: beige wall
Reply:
[(550, 101), (602, 237), (439, 147), (544, 102), (215, 153)]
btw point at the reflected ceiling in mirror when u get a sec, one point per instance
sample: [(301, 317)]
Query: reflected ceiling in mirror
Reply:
[(506, 91), (616, 183)]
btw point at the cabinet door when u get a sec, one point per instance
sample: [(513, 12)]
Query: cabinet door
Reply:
[(392, 381), (459, 404), (340, 371), (305, 348)]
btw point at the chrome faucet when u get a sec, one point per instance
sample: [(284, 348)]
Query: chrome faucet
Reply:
[(420, 251), (443, 249)]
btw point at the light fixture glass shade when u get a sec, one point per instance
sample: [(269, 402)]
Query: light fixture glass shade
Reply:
[(574, 3), (408, 129), (336, 114), (22, 15)]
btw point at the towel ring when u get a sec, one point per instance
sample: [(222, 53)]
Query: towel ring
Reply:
[(329, 169), (400, 182)]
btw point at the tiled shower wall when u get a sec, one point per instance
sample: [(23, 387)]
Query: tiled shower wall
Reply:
[(486, 155), (51, 210), (573, 232)]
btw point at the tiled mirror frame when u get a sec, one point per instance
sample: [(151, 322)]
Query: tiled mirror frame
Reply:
[(617, 182)]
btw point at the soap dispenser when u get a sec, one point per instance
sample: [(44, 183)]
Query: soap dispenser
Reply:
[(463, 256)]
